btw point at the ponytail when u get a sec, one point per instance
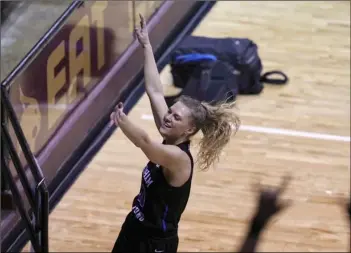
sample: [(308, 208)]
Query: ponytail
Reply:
[(220, 124), (217, 122)]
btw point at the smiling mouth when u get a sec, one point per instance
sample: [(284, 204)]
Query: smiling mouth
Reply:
[(167, 125)]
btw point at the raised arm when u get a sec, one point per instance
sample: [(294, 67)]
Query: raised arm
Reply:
[(153, 83), (268, 206), (175, 161)]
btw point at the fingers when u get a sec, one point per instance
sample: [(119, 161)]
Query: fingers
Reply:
[(112, 122), (112, 116), (142, 21), (284, 184), (137, 32), (117, 112), (119, 106), (141, 33), (257, 187)]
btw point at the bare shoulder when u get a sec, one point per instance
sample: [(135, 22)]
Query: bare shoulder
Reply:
[(180, 170)]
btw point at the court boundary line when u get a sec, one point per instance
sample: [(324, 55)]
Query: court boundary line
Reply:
[(247, 128), (281, 131)]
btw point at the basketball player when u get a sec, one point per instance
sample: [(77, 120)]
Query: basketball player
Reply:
[(152, 224)]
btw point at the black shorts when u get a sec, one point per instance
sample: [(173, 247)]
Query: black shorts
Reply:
[(133, 238)]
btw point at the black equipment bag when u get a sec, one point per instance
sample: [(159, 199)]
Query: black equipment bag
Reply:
[(240, 53), (211, 81)]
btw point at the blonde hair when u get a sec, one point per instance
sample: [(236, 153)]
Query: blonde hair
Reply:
[(217, 122)]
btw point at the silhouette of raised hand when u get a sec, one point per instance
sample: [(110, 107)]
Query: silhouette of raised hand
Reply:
[(269, 203)]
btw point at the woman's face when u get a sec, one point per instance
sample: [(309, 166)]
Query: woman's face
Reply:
[(177, 122)]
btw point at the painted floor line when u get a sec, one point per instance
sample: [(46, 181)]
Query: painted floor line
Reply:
[(280, 131)]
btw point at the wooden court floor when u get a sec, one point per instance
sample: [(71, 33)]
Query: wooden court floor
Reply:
[(302, 128)]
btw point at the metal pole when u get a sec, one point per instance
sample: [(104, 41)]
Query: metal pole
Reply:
[(36, 171), (19, 204), (44, 219), (18, 166), (20, 135)]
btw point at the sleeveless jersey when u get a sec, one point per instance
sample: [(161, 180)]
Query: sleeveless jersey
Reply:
[(159, 206)]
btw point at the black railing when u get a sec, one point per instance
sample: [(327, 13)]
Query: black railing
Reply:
[(38, 227), (35, 224)]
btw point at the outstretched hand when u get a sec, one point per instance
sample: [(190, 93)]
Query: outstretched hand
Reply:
[(141, 33), (268, 200), (268, 205), (117, 115)]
